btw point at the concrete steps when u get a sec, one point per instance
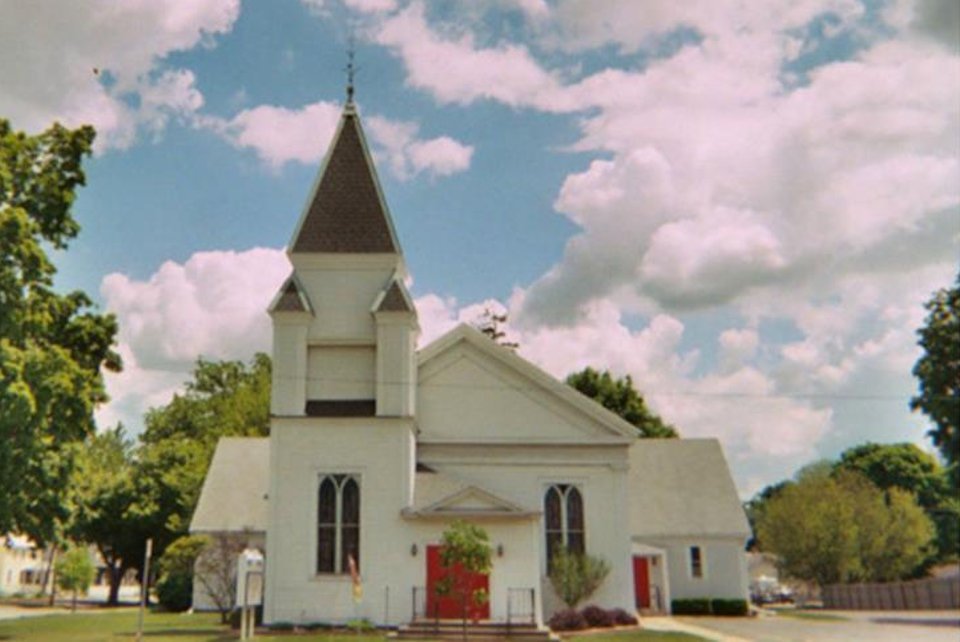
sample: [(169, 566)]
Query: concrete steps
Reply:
[(481, 631)]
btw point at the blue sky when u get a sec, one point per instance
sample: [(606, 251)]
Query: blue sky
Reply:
[(741, 206)]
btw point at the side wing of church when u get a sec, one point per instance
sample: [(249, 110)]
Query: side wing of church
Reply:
[(376, 448)]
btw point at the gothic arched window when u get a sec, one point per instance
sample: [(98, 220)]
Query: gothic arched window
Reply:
[(338, 523), (563, 517)]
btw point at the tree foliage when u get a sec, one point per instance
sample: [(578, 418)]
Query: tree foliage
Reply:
[(75, 572), (938, 370), (619, 396), (224, 398), (465, 553), (103, 502), (834, 526), (53, 347), (907, 468), (576, 576)]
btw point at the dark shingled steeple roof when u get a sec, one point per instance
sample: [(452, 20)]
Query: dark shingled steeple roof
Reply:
[(347, 213)]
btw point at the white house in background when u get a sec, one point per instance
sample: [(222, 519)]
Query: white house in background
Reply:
[(375, 448), (22, 565)]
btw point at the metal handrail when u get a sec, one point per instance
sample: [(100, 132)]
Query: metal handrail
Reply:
[(521, 597)]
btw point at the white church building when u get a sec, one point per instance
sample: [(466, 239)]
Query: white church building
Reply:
[(375, 447)]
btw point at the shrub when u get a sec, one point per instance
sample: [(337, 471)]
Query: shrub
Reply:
[(567, 620), (576, 576), (623, 618), (175, 582), (175, 591), (695, 606), (729, 607), (597, 617)]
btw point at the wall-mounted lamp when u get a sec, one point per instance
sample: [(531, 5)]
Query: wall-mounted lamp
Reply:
[(413, 550), (499, 550)]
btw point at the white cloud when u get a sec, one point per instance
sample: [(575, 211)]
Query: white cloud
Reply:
[(92, 62), (213, 305), (455, 70), (279, 135)]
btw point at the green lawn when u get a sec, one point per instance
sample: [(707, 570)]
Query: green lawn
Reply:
[(172, 627)]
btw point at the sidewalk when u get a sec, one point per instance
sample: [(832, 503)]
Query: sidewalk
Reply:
[(666, 623)]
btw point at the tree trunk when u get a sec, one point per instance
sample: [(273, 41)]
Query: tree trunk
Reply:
[(115, 576), (73, 603), (52, 575)]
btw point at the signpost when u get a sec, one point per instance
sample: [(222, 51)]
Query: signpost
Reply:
[(249, 590)]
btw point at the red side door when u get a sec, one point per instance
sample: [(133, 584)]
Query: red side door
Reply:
[(641, 582), (448, 606)]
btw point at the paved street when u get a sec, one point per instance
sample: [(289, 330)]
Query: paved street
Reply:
[(866, 626)]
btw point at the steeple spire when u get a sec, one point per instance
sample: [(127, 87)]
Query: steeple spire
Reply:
[(350, 69), (346, 212)]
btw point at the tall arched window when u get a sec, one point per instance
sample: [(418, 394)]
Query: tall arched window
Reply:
[(563, 514), (338, 523)]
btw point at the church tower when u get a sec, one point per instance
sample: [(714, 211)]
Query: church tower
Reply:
[(342, 431), (344, 324)]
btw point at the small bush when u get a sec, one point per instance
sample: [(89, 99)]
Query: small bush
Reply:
[(729, 607), (623, 618), (597, 617), (695, 606), (567, 620), (175, 591)]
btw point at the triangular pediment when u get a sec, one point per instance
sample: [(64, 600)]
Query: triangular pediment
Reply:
[(440, 496), (292, 297), (472, 390), (394, 298), (346, 212)]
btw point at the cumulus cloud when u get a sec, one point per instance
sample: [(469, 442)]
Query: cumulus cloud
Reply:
[(279, 135), (98, 62), (213, 305)]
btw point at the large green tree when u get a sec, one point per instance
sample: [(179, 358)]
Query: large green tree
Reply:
[(907, 468), (53, 346), (939, 373), (619, 396), (834, 526)]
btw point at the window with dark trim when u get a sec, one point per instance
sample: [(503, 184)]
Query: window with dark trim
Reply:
[(696, 562), (338, 523), (563, 520)]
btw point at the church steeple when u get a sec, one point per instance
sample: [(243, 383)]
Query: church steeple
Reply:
[(346, 212)]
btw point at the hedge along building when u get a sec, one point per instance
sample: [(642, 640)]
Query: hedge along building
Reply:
[(376, 448)]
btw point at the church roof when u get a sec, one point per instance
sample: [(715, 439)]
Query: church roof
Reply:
[(234, 495), (393, 300), (291, 298), (683, 488), (346, 212)]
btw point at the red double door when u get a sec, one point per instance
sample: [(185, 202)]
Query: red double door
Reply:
[(449, 606)]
